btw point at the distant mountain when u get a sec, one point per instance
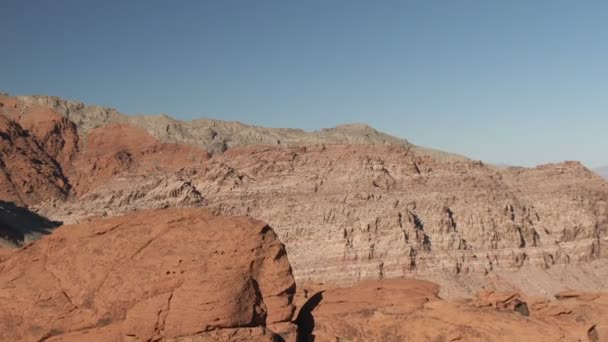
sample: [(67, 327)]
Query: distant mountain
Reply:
[(216, 136), (602, 171)]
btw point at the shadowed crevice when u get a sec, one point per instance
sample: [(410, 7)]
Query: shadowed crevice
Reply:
[(305, 320), (18, 224)]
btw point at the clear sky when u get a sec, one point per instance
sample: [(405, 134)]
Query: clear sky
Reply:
[(515, 82)]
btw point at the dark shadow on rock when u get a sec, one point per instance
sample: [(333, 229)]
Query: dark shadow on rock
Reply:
[(521, 308), (306, 321), (18, 224), (593, 334)]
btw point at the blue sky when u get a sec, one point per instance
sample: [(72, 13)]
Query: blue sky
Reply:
[(516, 82)]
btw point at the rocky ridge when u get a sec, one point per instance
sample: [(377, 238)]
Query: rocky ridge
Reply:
[(372, 211), (216, 136)]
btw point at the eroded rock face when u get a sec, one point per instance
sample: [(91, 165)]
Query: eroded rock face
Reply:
[(124, 194), (54, 133), (373, 211), (27, 173), (387, 212), (410, 310), (45, 156), (175, 274), (119, 149)]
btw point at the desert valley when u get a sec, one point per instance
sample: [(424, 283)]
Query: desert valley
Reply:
[(146, 228)]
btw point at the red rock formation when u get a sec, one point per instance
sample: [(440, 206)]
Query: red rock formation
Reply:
[(372, 211), (27, 173), (117, 149), (410, 310), (55, 134), (187, 275), (167, 274), (83, 160)]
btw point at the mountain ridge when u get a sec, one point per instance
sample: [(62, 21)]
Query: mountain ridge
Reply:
[(216, 135)]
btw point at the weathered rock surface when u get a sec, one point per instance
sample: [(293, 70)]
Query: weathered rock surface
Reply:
[(410, 310), (386, 212), (43, 150), (373, 211), (118, 149), (27, 173), (187, 275), (55, 134), (173, 275), (119, 196)]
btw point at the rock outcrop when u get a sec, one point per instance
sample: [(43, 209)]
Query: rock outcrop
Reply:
[(171, 275), (124, 194), (44, 155), (187, 275), (27, 173), (410, 310), (387, 212), (375, 210), (119, 149)]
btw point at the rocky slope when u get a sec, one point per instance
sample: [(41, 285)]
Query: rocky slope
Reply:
[(378, 212), (171, 275), (346, 212), (45, 156), (188, 275), (28, 174), (386, 212)]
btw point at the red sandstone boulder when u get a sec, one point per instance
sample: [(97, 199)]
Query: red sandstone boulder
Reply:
[(166, 274)]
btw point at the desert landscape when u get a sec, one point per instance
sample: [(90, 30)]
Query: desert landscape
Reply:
[(303, 171), (146, 228)]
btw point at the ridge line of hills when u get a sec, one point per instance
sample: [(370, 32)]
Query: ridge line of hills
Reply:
[(217, 135)]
